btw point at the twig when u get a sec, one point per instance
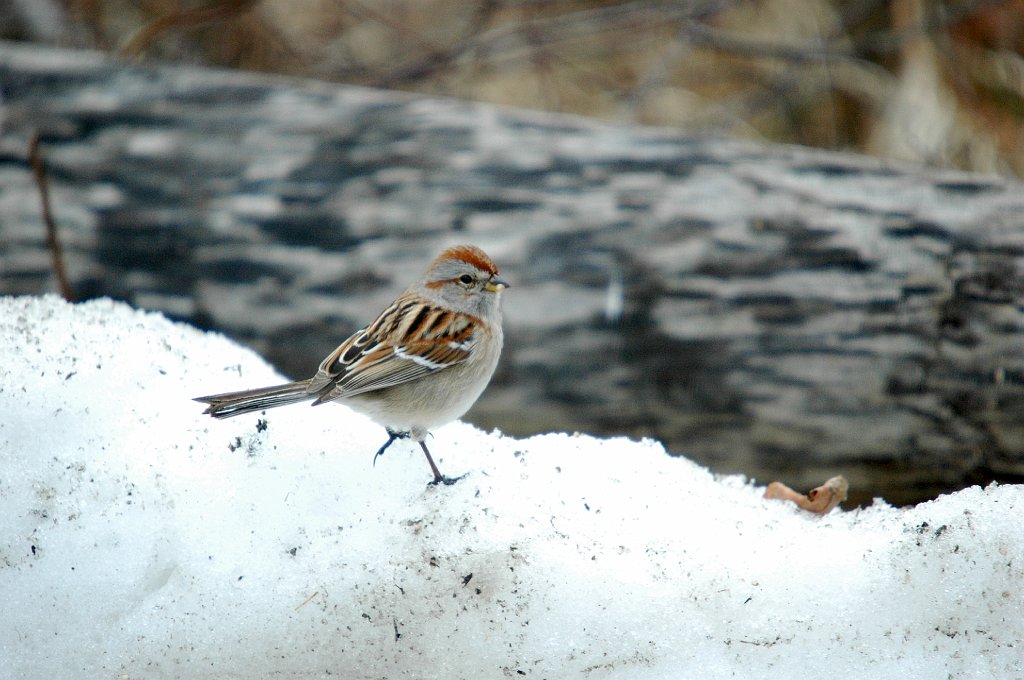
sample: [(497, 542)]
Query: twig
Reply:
[(188, 18), (307, 600), (39, 173)]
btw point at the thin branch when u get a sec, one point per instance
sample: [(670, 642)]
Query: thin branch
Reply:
[(39, 173), (187, 18), (702, 35), (518, 40)]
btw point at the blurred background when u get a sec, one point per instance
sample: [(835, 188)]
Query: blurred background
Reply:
[(940, 83), (679, 265)]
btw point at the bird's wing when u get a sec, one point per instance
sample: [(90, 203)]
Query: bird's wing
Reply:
[(407, 341)]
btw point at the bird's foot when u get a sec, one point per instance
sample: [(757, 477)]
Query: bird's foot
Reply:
[(438, 477), (447, 481), (392, 436)]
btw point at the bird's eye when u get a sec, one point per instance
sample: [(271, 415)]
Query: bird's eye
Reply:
[(466, 279)]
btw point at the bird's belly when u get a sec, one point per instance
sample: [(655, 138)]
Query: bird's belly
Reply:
[(427, 403)]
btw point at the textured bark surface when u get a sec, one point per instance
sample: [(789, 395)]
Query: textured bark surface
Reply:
[(782, 312)]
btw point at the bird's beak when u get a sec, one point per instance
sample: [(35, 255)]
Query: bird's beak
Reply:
[(495, 285)]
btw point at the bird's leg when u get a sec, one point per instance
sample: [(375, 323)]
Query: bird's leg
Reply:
[(438, 477), (392, 436)]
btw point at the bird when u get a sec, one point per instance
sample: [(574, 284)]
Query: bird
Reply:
[(422, 363)]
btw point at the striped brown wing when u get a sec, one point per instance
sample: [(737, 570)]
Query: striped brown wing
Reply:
[(409, 340)]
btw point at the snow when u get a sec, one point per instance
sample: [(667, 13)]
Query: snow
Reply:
[(140, 538)]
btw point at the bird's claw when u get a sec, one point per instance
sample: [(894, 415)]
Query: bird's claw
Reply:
[(392, 436), (447, 481)]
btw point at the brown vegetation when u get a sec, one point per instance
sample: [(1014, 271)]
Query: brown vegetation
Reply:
[(940, 83)]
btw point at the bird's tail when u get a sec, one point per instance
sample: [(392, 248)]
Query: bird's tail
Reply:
[(236, 403)]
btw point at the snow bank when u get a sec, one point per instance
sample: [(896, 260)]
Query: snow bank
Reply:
[(140, 538)]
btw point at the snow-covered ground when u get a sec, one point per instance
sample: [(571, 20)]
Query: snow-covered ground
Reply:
[(140, 538)]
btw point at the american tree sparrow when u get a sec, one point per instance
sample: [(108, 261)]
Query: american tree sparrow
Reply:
[(422, 363)]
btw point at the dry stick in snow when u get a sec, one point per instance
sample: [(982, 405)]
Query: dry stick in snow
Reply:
[(39, 173)]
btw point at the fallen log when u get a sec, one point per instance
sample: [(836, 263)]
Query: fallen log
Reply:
[(782, 312)]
